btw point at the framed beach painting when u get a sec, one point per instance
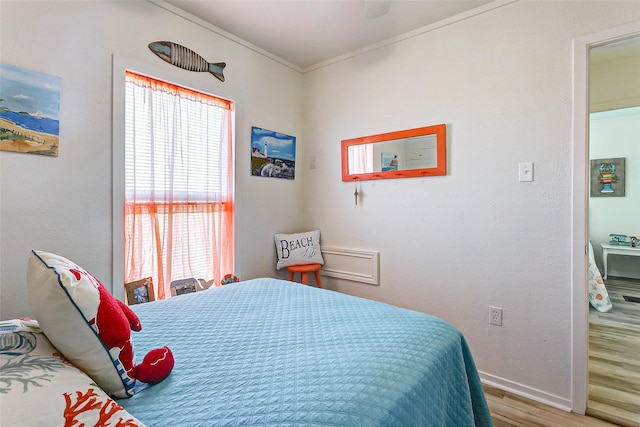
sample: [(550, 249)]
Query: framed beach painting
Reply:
[(273, 154), (29, 109)]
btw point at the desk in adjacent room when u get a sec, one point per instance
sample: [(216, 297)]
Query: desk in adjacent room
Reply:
[(616, 250)]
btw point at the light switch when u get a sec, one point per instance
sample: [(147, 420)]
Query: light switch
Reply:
[(525, 171), (312, 162)]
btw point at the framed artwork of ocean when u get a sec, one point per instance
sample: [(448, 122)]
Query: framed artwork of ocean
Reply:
[(29, 111)]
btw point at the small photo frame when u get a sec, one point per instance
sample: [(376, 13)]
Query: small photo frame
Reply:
[(140, 291), (184, 286)]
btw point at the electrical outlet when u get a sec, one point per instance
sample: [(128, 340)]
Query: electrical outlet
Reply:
[(495, 316)]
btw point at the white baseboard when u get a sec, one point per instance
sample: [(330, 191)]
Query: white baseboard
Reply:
[(528, 392)]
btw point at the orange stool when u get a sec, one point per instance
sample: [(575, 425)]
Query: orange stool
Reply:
[(304, 270)]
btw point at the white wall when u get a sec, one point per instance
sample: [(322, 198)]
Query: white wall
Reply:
[(615, 82), (454, 245), (63, 204), (616, 134)]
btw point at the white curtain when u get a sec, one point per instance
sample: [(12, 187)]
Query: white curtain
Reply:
[(361, 158), (179, 181)]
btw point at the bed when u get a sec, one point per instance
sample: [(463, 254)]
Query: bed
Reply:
[(267, 352), (598, 294), (263, 352)]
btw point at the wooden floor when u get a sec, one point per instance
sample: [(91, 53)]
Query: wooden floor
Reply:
[(624, 314), (510, 410), (614, 356)]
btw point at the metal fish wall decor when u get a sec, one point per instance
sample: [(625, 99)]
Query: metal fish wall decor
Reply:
[(186, 59)]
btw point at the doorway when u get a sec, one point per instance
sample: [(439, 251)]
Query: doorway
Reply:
[(614, 207), (580, 202)]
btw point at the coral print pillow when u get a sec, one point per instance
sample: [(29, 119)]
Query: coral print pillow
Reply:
[(39, 387), (298, 249)]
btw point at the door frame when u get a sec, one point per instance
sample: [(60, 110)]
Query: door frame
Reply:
[(580, 207)]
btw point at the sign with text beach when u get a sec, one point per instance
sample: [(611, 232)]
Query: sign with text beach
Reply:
[(29, 110)]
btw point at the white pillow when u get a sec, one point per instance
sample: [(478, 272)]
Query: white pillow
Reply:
[(65, 299), (39, 387), (298, 249)]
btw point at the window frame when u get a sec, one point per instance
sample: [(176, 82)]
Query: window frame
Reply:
[(196, 81)]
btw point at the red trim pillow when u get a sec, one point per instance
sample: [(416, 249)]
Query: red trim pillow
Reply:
[(65, 299)]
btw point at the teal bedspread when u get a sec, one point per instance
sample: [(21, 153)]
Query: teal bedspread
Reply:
[(267, 352)]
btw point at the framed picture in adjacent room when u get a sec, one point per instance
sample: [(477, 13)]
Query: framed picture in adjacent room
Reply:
[(607, 177)]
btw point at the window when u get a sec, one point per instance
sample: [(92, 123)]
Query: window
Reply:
[(178, 210)]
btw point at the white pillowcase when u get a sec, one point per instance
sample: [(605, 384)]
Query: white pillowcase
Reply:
[(65, 298), (41, 388), (298, 249)]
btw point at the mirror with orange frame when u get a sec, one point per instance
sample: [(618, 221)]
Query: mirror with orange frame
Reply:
[(402, 154)]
